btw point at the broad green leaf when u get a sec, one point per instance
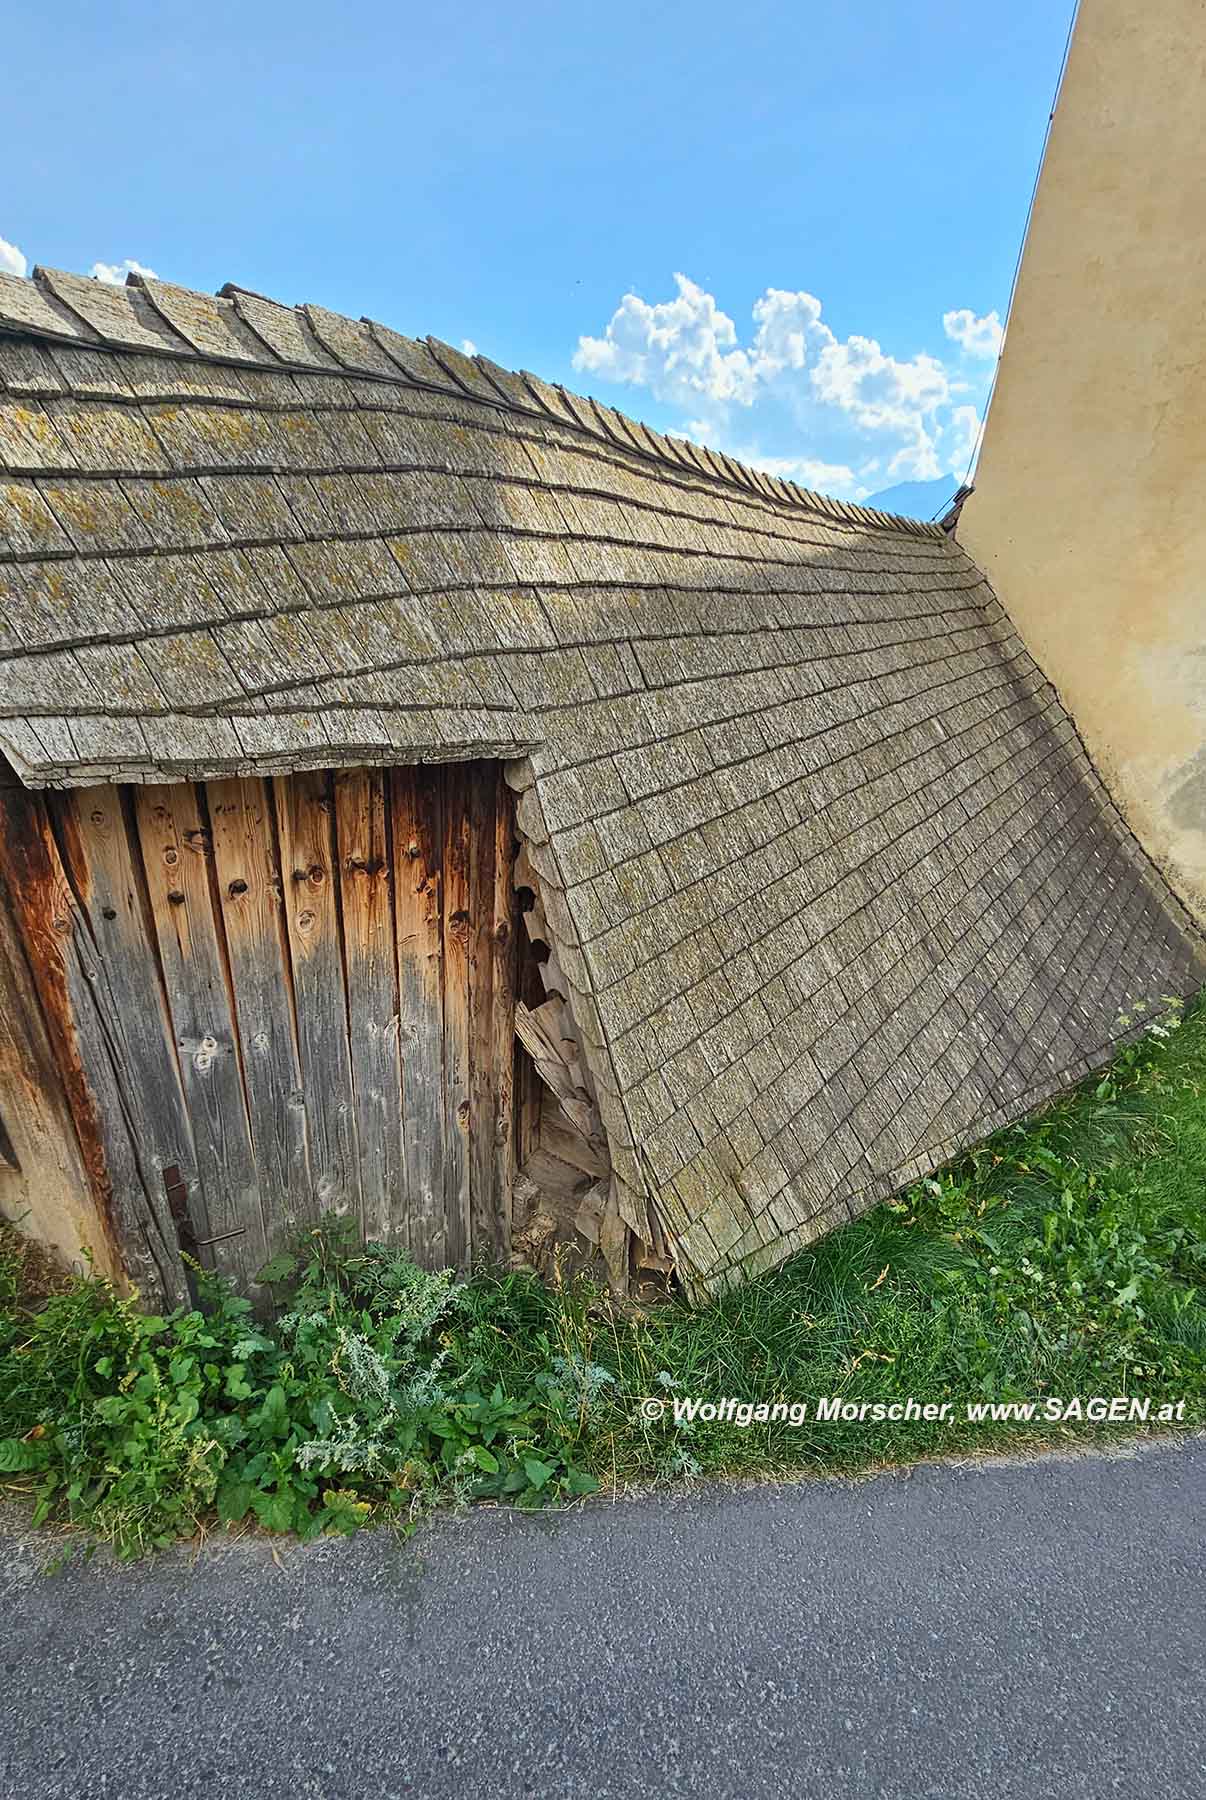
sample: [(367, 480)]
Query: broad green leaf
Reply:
[(234, 1498), (274, 1414), (538, 1472), (274, 1511), (237, 1386), (277, 1268)]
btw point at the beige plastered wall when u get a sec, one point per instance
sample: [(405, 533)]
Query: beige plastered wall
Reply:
[(1089, 510)]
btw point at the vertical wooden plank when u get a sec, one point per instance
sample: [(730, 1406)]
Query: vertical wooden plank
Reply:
[(309, 883), (503, 951), (249, 894), (100, 861), (177, 855), (457, 933), (45, 1185), (416, 802), (370, 958), (90, 1049)]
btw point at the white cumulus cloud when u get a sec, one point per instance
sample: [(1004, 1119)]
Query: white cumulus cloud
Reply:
[(962, 436), (877, 390), (825, 410), (682, 350), (14, 262), (978, 336), (114, 274), (468, 347), (918, 458), (788, 326), (824, 477)]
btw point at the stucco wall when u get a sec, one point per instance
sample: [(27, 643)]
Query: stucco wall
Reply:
[(1089, 514)]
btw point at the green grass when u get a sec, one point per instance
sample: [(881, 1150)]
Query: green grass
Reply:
[(1064, 1258), (1067, 1257)]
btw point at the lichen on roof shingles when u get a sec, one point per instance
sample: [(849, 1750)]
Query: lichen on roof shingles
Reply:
[(834, 885)]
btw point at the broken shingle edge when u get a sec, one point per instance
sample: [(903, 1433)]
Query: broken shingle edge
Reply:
[(634, 1197)]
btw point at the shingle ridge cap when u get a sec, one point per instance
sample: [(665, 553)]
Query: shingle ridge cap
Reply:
[(516, 390)]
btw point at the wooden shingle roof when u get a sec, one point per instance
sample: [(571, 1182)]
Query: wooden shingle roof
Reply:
[(834, 883)]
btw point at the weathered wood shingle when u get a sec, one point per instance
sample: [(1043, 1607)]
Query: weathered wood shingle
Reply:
[(834, 886)]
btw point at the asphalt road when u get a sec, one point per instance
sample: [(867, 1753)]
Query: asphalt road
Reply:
[(1016, 1631)]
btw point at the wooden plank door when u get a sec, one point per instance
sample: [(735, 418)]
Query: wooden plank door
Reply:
[(287, 996)]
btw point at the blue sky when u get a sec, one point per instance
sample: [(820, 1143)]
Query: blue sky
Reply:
[(602, 194)]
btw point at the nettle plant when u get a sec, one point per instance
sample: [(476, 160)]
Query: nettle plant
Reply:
[(357, 1402)]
